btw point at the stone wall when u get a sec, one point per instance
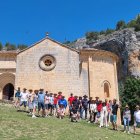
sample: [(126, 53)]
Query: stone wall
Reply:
[(102, 69)]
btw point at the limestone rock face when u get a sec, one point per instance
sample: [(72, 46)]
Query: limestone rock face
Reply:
[(126, 44)]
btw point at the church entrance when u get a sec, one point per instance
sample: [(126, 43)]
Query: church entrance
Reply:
[(8, 91)]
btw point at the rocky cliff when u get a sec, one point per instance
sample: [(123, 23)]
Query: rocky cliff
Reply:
[(125, 43)]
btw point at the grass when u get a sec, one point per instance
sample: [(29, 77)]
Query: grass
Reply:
[(18, 126)]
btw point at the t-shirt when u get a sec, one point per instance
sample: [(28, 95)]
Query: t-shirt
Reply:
[(55, 100), (47, 99), (127, 114), (114, 109), (17, 94), (70, 99), (137, 115), (85, 103), (51, 101), (93, 107), (24, 96), (41, 97)]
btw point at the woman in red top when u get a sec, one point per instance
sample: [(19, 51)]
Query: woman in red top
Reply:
[(55, 104)]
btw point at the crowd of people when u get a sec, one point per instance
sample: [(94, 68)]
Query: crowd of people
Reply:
[(45, 104)]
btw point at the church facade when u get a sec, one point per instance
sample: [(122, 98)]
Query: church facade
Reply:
[(55, 67)]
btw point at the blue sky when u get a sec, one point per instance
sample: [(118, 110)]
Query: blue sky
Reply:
[(27, 21)]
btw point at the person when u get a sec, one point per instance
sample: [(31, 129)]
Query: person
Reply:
[(61, 111), (85, 105), (113, 116), (30, 105), (103, 115), (109, 111), (99, 107), (34, 99), (24, 98), (51, 102), (80, 107), (136, 118), (89, 102), (41, 105), (55, 104), (126, 119), (74, 114), (46, 101), (93, 111), (17, 97), (63, 102), (70, 100)]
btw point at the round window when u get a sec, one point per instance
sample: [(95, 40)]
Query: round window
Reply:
[(47, 62)]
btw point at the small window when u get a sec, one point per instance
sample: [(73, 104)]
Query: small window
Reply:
[(106, 90), (48, 62)]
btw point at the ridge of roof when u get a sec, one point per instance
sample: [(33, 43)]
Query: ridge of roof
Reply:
[(51, 40)]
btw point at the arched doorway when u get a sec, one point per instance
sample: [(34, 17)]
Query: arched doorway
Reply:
[(106, 90), (8, 91)]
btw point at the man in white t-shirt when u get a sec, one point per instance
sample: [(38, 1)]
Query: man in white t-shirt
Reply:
[(136, 118), (24, 98)]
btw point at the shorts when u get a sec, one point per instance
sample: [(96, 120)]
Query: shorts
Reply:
[(35, 105), (137, 124), (17, 98), (23, 103), (46, 106), (113, 118), (41, 105), (30, 105), (51, 106)]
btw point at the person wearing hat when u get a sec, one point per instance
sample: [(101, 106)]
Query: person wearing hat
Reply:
[(30, 105), (136, 118), (85, 105), (24, 98), (126, 119)]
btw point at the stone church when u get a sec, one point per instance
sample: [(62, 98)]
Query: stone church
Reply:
[(56, 67)]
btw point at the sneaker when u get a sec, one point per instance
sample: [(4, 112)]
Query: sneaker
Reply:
[(34, 116), (88, 121), (128, 132), (124, 131)]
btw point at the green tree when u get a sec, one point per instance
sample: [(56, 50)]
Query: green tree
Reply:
[(109, 31), (22, 46), (10, 47), (1, 46), (92, 36), (120, 25), (131, 93)]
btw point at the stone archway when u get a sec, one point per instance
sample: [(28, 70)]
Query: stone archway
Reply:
[(8, 92), (7, 82)]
